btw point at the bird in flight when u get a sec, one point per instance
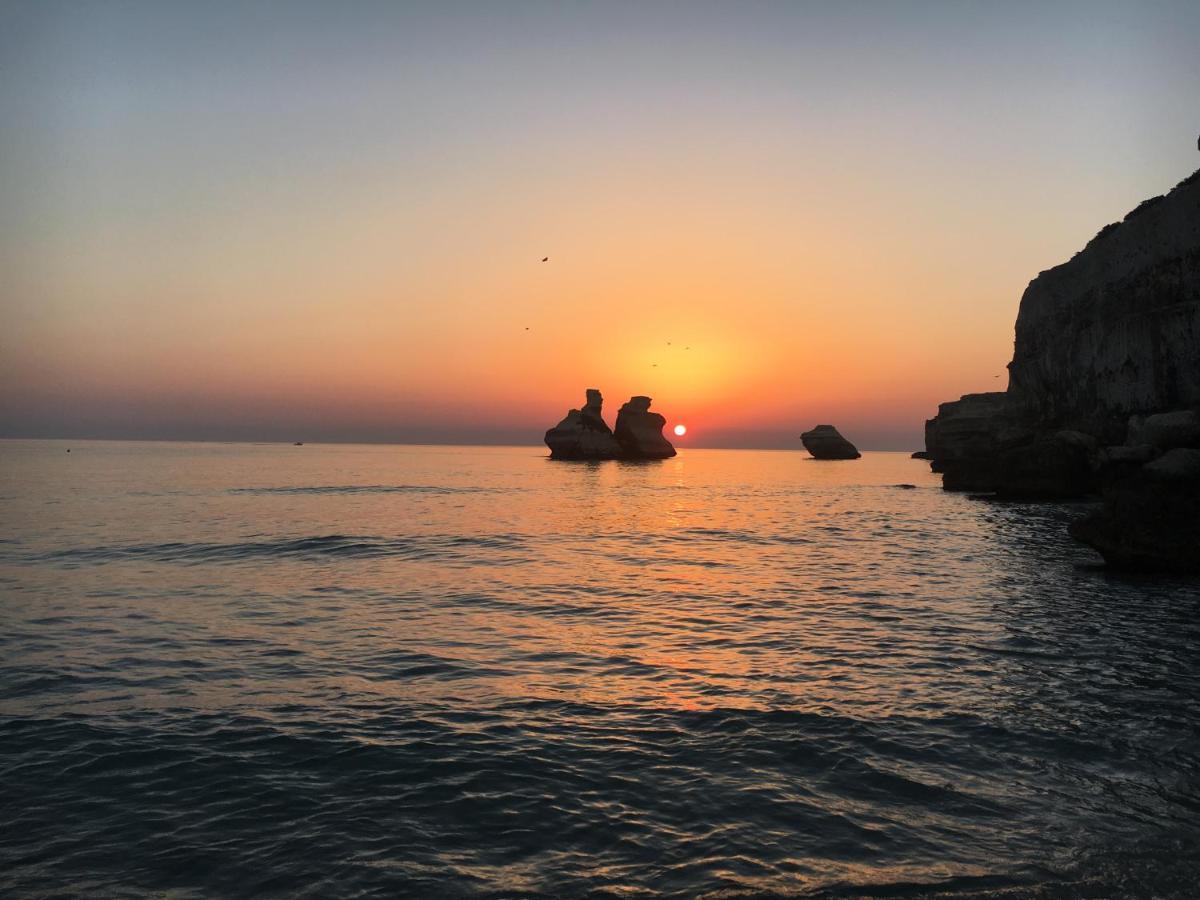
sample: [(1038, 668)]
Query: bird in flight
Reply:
[(545, 259)]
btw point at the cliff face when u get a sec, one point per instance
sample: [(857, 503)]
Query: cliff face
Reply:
[(1105, 378), (1115, 331), (1111, 334)]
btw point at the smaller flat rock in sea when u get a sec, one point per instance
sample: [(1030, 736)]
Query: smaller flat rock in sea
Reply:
[(825, 442)]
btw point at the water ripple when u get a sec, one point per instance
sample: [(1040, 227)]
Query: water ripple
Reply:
[(321, 490), (460, 673), (446, 548)]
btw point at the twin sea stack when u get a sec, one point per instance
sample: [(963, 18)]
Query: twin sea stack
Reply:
[(1103, 394), (584, 434)]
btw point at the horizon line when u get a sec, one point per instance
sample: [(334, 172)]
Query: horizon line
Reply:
[(396, 443)]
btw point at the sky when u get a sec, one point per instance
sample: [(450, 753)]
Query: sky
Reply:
[(293, 221)]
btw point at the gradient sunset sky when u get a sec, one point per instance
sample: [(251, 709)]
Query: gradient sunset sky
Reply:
[(326, 221)]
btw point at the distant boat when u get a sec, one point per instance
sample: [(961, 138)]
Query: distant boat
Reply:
[(298, 444)]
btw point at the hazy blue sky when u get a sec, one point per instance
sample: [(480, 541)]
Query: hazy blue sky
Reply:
[(278, 220)]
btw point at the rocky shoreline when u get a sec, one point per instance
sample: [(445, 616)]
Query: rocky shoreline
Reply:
[(1104, 392)]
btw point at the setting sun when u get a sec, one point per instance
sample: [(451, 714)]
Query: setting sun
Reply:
[(680, 430)]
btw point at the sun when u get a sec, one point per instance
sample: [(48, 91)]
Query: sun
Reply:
[(680, 430)]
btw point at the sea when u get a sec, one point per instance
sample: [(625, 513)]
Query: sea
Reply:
[(235, 670)]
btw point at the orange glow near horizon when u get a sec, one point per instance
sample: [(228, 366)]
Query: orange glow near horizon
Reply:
[(761, 222)]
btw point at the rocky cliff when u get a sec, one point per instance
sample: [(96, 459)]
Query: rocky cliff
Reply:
[(1107, 354), (1115, 331)]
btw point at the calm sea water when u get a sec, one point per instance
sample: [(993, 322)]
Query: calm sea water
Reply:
[(449, 671)]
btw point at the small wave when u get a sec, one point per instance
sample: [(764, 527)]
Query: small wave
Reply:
[(429, 548), (720, 534), (364, 489), (1166, 873)]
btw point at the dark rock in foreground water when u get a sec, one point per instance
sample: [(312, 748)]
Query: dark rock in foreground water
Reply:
[(1149, 521), (1105, 378), (825, 442), (583, 433)]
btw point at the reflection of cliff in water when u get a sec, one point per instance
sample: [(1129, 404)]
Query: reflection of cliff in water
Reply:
[(1095, 676)]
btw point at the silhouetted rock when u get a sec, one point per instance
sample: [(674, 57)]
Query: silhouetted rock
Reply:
[(639, 431), (963, 439), (921, 454), (583, 434), (592, 414), (1151, 520), (824, 442)]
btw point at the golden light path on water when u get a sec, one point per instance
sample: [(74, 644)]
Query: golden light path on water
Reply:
[(739, 671)]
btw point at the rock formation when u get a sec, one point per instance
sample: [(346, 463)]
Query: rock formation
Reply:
[(583, 433), (825, 442), (961, 440), (639, 431), (1105, 377)]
